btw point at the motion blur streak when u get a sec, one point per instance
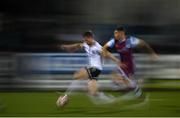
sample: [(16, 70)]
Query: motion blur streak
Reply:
[(53, 71)]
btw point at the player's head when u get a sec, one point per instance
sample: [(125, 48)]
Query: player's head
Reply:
[(88, 37), (119, 33)]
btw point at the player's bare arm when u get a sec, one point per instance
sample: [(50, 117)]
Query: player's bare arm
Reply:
[(143, 44), (111, 56), (105, 47), (106, 53), (72, 47)]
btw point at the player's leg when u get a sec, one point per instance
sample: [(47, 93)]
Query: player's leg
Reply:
[(78, 76), (90, 73), (93, 73), (136, 88), (121, 76), (96, 96), (81, 74), (93, 87), (119, 79), (133, 85)]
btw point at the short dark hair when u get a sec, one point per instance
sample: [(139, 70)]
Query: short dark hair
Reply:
[(88, 34), (121, 28)]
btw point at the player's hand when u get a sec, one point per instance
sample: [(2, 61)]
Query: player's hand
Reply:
[(123, 65), (154, 57), (59, 46), (63, 47), (66, 48), (103, 53)]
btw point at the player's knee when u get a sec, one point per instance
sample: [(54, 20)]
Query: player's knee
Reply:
[(76, 76), (92, 87), (93, 82)]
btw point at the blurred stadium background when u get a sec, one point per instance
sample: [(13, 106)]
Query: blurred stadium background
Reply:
[(32, 68)]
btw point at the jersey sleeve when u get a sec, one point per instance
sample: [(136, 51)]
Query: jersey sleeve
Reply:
[(111, 43), (99, 47), (83, 45), (133, 42)]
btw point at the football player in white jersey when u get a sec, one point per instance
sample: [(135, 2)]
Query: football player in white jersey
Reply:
[(94, 52)]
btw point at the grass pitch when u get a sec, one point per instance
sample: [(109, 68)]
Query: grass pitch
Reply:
[(156, 103)]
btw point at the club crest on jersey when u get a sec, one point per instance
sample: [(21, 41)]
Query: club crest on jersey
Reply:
[(121, 47), (95, 52)]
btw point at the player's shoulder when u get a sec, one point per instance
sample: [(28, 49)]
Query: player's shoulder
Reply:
[(84, 45), (131, 38), (98, 44), (111, 39), (111, 42), (132, 41)]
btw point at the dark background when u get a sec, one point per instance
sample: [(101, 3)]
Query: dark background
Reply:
[(38, 25)]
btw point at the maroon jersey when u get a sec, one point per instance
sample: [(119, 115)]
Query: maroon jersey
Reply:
[(124, 49)]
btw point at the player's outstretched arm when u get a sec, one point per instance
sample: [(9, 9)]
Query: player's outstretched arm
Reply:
[(115, 59), (71, 47), (104, 50), (111, 56), (106, 53), (145, 45)]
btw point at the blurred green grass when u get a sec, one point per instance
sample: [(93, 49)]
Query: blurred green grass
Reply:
[(157, 103), (43, 104)]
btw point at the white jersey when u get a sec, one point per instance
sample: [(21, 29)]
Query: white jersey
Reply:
[(94, 56)]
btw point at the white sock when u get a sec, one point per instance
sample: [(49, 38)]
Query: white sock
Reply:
[(136, 87)]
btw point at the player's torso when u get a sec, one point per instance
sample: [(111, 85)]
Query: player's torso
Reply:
[(94, 56), (124, 50), (125, 54)]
